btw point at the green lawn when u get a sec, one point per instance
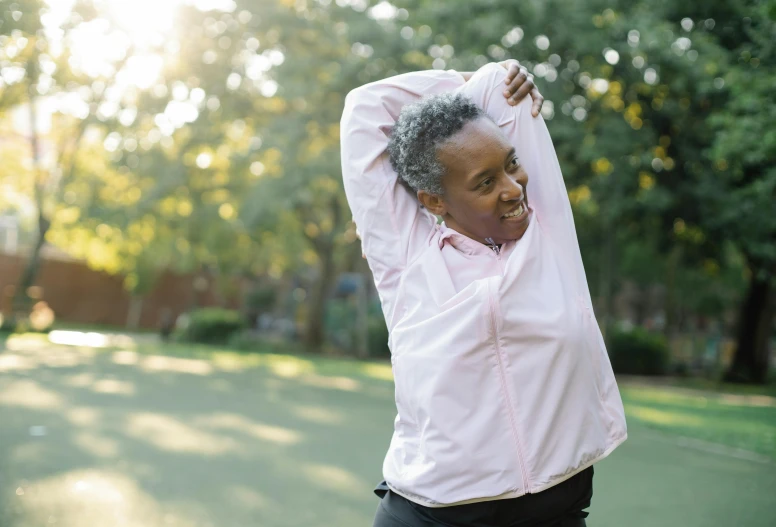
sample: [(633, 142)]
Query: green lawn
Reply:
[(157, 435), (745, 421), (736, 416)]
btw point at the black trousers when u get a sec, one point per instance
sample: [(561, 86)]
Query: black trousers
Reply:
[(559, 506)]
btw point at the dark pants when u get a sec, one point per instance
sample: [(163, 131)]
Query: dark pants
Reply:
[(559, 506)]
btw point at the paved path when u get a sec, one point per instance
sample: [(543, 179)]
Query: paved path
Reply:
[(99, 439)]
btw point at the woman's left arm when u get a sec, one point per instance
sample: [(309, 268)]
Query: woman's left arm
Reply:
[(518, 84)]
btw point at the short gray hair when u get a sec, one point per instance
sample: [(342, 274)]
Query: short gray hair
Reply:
[(420, 129)]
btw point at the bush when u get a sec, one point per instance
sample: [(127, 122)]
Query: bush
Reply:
[(212, 325), (378, 336), (638, 352), (7, 324)]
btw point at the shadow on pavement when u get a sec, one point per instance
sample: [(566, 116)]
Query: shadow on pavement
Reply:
[(154, 440)]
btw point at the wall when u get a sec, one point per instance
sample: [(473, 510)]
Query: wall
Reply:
[(81, 295)]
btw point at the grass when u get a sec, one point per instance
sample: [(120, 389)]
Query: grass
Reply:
[(733, 415), (737, 416), (338, 413), (282, 364), (739, 420)]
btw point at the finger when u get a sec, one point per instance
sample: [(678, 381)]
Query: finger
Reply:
[(522, 91), (520, 87), (513, 68), (538, 100), (520, 80)]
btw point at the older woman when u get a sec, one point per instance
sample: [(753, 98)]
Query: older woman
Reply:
[(504, 390)]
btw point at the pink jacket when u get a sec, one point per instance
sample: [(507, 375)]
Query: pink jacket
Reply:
[(503, 383)]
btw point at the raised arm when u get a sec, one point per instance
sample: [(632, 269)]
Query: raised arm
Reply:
[(389, 219), (529, 135)]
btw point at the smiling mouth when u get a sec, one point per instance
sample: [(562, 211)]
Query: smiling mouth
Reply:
[(517, 212)]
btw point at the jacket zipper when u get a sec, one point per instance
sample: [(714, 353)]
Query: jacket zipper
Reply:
[(504, 385), (496, 249)]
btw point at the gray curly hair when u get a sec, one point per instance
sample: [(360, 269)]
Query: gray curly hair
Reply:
[(420, 129)]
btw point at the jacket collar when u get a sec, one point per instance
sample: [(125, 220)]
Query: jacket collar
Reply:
[(463, 243)]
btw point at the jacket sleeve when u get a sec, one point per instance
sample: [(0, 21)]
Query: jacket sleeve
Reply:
[(546, 189), (392, 224)]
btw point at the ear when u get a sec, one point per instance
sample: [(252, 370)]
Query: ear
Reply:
[(433, 203)]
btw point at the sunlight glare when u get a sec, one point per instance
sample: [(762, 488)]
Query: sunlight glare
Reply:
[(78, 338), (141, 70)]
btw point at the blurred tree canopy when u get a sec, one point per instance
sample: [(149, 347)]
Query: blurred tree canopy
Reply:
[(213, 146)]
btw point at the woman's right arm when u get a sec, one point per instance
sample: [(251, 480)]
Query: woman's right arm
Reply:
[(389, 218)]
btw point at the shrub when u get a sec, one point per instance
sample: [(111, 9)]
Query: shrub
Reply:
[(378, 336), (638, 352), (212, 325), (260, 299), (7, 324)]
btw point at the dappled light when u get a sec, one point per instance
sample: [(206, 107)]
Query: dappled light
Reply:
[(662, 417), (31, 395), (83, 416), (97, 444), (114, 386), (159, 445), (90, 497), (30, 453), (238, 423), (26, 342), (287, 366), (381, 372), (345, 384), (318, 414), (748, 400), (91, 339), (172, 435), (233, 362), (78, 338), (37, 351), (125, 357), (334, 478), (245, 497), (10, 362), (159, 363)]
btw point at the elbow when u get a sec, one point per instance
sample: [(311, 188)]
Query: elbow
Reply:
[(355, 97), (351, 101)]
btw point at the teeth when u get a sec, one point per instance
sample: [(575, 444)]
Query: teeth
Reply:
[(518, 212)]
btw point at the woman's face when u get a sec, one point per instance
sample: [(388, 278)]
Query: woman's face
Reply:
[(484, 185)]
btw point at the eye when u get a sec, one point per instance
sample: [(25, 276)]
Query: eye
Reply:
[(486, 183), (514, 163)]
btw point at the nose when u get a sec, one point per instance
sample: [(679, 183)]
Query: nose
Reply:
[(512, 191)]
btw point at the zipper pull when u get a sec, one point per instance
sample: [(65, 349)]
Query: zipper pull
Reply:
[(492, 244)]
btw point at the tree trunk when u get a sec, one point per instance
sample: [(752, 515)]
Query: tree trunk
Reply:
[(669, 306), (314, 332), (751, 361), (135, 311), (20, 305), (21, 302)]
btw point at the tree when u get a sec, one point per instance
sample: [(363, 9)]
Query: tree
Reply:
[(649, 93), (43, 74), (741, 190)]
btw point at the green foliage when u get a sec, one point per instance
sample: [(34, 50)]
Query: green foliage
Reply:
[(7, 325), (212, 325), (661, 113), (378, 337), (261, 299), (636, 351)]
